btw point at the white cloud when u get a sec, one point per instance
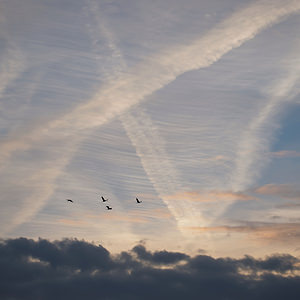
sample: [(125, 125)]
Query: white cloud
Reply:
[(256, 139), (153, 74), (11, 66), (144, 136), (12, 61), (161, 69)]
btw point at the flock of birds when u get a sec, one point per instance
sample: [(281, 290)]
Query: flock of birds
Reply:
[(105, 200)]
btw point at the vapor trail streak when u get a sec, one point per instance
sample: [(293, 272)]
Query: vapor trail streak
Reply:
[(12, 62), (155, 73), (139, 127), (257, 137), (161, 69)]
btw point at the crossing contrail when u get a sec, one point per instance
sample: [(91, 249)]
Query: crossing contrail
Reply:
[(144, 136), (161, 69), (154, 73)]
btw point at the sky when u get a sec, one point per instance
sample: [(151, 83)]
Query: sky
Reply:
[(191, 106)]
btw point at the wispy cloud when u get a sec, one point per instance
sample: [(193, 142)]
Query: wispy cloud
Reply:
[(285, 154), (256, 139), (289, 206), (280, 190), (134, 86), (212, 196), (151, 75), (88, 218), (263, 232), (12, 60), (131, 218), (156, 163), (145, 137), (41, 181), (11, 66), (73, 223)]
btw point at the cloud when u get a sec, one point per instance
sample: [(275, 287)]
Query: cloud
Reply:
[(211, 196), (133, 216), (150, 148), (130, 218), (70, 222), (211, 204), (160, 213), (218, 158), (142, 81), (262, 232), (289, 205), (12, 60), (285, 154), (148, 143), (11, 66), (158, 257), (72, 269), (136, 84), (281, 190), (34, 182), (256, 139)]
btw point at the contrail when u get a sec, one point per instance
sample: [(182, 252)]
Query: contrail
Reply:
[(12, 62), (156, 72), (144, 136), (33, 183), (257, 137), (41, 183), (11, 66), (157, 165)]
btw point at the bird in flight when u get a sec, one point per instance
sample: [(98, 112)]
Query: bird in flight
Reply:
[(138, 201), (108, 208), (69, 200), (104, 200)]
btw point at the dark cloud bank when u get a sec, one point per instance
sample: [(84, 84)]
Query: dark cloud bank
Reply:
[(72, 269)]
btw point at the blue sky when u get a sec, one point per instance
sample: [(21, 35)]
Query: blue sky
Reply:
[(192, 106)]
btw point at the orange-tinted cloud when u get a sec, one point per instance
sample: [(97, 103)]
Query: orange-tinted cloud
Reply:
[(212, 196), (264, 231), (285, 154), (69, 222), (88, 219), (289, 205), (160, 213), (281, 190), (130, 218)]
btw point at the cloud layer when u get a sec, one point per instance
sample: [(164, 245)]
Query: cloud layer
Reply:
[(256, 139), (190, 148), (281, 190), (145, 137), (72, 269), (166, 66), (149, 76)]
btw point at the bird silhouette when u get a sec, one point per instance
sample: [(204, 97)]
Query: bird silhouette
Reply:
[(104, 200), (69, 200), (108, 208), (138, 201)]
